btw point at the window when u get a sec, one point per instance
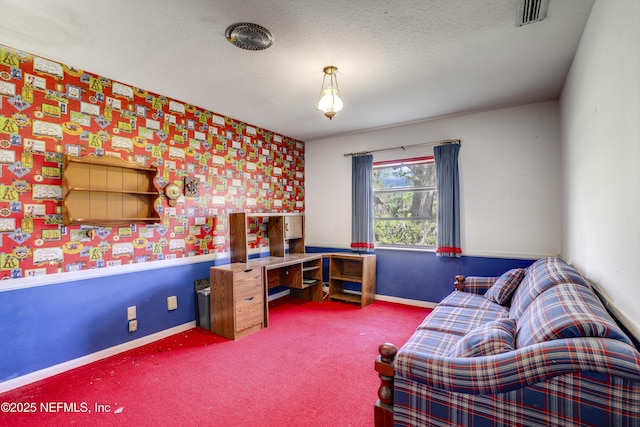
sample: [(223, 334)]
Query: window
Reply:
[(405, 203)]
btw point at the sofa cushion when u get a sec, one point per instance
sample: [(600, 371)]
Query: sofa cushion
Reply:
[(492, 338), (503, 289), (431, 343), (458, 321), (469, 300), (540, 276), (566, 311)]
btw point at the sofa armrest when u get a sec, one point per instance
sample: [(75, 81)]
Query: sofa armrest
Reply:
[(519, 368), (474, 284)]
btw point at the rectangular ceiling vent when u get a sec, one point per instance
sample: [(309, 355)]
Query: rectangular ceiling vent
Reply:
[(530, 11)]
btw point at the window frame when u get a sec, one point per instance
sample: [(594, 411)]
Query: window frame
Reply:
[(398, 162)]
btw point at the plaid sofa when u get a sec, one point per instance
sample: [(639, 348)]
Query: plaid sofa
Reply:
[(533, 347)]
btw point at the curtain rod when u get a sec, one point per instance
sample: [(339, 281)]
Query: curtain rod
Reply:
[(404, 147)]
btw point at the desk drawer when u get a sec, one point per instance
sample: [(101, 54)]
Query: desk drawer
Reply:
[(248, 298), (247, 284), (249, 312)]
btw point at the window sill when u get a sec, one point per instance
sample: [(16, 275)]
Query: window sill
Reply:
[(405, 248)]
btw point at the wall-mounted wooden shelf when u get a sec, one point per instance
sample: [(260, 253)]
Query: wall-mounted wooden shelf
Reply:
[(108, 191)]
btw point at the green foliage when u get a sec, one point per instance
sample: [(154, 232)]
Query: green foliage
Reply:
[(405, 205), (405, 233)]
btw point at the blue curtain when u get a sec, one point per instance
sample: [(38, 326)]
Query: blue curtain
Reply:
[(362, 203), (448, 182)]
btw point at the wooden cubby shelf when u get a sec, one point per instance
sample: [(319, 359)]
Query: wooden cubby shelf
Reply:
[(352, 278), (108, 191)]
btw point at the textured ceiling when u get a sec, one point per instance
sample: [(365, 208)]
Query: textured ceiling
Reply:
[(399, 61)]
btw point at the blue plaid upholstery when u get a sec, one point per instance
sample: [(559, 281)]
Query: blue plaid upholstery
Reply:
[(459, 320), (493, 337), (478, 285), (566, 311), (502, 291), (541, 275), (571, 366), (468, 300), (434, 343), (553, 403)]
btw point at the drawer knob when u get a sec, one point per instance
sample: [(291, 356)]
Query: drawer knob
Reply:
[(249, 299)]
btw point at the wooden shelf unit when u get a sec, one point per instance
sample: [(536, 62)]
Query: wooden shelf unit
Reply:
[(108, 191), (292, 268), (312, 272), (358, 270)]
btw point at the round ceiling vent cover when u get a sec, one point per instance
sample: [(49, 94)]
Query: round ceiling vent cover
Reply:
[(249, 36)]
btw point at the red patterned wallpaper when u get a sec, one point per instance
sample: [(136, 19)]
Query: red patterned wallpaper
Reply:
[(49, 109)]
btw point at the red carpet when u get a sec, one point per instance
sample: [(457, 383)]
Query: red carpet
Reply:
[(313, 366)]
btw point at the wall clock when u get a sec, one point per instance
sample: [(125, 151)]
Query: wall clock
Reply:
[(192, 187), (173, 193)]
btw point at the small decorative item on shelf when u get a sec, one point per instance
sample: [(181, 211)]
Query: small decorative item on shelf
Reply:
[(173, 193), (191, 187)]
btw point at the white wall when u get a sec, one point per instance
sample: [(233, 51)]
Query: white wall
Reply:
[(600, 114), (509, 170)]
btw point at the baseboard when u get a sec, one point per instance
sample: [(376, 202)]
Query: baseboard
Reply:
[(406, 301), (90, 358)]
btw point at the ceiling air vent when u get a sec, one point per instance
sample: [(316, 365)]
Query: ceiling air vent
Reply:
[(248, 36), (530, 11)]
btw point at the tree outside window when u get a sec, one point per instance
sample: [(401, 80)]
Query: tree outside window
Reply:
[(405, 203)]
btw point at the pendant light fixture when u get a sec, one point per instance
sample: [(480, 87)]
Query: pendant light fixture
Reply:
[(329, 101)]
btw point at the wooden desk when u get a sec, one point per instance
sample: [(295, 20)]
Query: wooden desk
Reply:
[(300, 272)]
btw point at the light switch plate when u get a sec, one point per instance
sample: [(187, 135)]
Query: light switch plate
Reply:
[(131, 312)]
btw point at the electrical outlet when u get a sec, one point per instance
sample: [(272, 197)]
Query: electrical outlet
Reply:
[(131, 312), (133, 325), (172, 302)]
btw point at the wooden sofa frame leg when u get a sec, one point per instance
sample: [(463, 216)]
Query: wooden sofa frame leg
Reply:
[(383, 409)]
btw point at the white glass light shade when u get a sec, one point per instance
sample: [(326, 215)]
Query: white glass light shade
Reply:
[(330, 103)]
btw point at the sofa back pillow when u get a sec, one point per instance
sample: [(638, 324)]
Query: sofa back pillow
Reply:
[(566, 311), (502, 290), (540, 276), (492, 338)]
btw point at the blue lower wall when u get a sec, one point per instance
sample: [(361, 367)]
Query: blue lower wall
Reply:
[(47, 325), (423, 276)]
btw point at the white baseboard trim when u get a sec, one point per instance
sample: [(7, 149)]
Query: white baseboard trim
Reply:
[(406, 301), (90, 358)]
